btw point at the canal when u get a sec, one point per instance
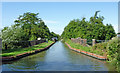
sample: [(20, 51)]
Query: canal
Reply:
[(57, 58)]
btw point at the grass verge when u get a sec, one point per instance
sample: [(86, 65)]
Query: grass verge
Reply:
[(85, 48), (14, 52), (78, 46)]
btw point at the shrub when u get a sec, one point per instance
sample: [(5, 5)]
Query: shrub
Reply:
[(112, 49), (100, 48)]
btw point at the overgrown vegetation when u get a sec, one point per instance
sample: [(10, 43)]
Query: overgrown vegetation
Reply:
[(110, 49), (27, 27), (95, 49), (113, 52), (101, 48), (14, 52), (78, 46), (92, 29)]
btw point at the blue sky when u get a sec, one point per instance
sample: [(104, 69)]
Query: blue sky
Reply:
[(57, 15)]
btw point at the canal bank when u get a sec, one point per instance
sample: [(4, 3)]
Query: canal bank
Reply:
[(57, 58), (87, 53), (19, 56)]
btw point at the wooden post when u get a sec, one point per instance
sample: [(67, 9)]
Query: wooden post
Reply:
[(93, 42)]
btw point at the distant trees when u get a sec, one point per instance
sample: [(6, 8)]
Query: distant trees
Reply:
[(55, 35), (27, 27), (92, 29)]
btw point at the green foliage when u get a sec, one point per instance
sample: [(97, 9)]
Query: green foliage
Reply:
[(33, 26), (93, 29), (54, 35), (14, 52), (98, 49), (11, 37), (112, 50), (27, 27), (78, 46), (101, 48)]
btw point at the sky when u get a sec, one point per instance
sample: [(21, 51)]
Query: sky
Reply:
[(57, 15)]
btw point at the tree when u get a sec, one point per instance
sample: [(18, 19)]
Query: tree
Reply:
[(33, 26), (11, 37), (109, 32), (27, 27), (92, 29)]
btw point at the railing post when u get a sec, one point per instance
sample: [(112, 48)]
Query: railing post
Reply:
[(93, 42)]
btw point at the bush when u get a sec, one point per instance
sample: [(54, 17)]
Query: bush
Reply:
[(11, 37), (112, 49), (100, 48)]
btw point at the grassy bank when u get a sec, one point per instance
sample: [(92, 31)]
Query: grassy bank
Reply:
[(14, 52), (78, 46), (87, 49), (110, 49)]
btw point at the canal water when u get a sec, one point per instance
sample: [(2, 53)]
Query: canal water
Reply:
[(57, 58)]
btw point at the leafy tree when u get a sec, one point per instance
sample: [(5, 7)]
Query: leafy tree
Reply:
[(11, 37), (33, 26), (54, 35), (109, 32), (27, 27), (92, 29)]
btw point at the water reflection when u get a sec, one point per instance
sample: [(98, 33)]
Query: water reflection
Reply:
[(58, 58)]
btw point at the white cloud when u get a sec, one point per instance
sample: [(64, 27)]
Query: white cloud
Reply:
[(51, 21)]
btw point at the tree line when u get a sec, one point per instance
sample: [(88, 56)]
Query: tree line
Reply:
[(27, 27), (92, 29)]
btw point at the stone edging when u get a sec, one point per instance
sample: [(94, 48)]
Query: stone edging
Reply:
[(87, 53), (11, 58)]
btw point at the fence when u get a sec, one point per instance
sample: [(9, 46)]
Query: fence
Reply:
[(22, 43), (89, 42), (35, 42), (86, 42), (80, 41)]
